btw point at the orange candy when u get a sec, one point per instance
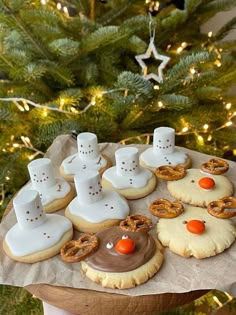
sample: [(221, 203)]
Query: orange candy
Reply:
[(125, 246), (196, 226), (206, 183)]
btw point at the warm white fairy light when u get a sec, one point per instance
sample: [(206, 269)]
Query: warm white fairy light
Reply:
[(229, 123), (179, 50), (156, 87), (228, 106), (209, 138), (65, 10), (160, 104), (184, 129), (43, 2), (192, 70), (210, 34), (200, 140), (59, 6), (205, 126), (217, 63)]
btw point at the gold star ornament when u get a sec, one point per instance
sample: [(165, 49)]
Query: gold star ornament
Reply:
[(152, 50)]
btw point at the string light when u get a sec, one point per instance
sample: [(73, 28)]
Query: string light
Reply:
[(160, 104), (210, 34), (205, 127), (228, 106), (185, 129)]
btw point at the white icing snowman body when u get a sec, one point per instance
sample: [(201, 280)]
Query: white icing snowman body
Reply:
[(44, 181), (88, 156), (163, 151), (127, 173), (94, 204), (34, 231)]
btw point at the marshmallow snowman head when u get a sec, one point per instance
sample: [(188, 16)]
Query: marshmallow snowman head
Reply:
[(29, 210), (88, 187), (163, 141), (87, 146), (127, 161), (41, 174)]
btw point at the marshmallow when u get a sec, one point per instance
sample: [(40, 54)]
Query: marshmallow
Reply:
[(88, 187), (41, 174), (87, 146), (163, 140), (29, 210), (127, 161)]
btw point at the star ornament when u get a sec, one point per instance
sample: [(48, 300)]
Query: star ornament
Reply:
[(152, 50)]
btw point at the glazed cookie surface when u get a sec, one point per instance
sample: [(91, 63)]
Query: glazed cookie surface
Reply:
[(110, 268), (188, 189), (196, 233)]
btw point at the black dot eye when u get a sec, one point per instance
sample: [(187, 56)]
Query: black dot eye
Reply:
[(203, 221), (192, 181), (185, 222), (123, 162), (81, 145)]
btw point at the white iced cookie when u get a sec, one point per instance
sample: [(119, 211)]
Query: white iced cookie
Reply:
[(199, 189), (95, 208), (127, 177), (163, 151), (88, 157), (36, 236), (196, 233), (55, 192)]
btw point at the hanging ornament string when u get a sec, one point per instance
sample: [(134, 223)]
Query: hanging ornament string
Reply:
[(151, 50)]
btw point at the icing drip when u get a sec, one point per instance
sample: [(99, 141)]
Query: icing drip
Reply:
[(150, 158), (106, 258), (26, 242), (130, 181), (74, 164), (49, 194), (111, 206)]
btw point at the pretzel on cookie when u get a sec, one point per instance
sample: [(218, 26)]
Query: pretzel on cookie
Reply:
[(215, 166), (136, 223), (218, 208), (168, 172), (77, 250), (164, 208)]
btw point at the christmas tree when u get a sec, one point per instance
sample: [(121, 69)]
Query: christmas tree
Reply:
[(118, 68)]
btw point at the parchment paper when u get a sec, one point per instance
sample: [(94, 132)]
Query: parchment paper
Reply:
[(177, 274)]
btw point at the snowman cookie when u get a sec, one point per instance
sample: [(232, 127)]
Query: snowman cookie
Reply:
[(95, 208), (87, 157), (127, 177), (36, 236), (163, 151), (194, 231), (55, 192), (119, 257), (199, 187)]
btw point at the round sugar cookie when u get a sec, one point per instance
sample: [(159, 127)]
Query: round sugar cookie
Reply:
[(88, 157), (55, 192), (163, 151), (73, 164), (127, 177), (132, 192), (36, 236), (189, 191), (196, 233), (95, 208), (113, 269)]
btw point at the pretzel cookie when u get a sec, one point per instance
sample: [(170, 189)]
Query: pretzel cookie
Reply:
[(199, 189), (196, 233)]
